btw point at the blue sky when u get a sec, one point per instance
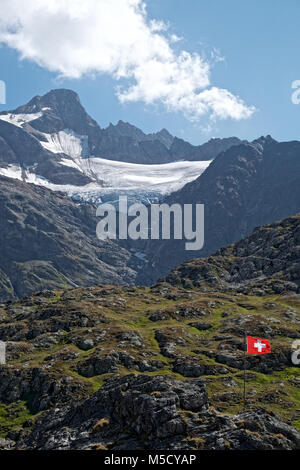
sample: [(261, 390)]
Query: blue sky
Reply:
[(259, 43)]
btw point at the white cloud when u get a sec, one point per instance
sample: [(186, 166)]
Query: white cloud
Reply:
[(116, 37)]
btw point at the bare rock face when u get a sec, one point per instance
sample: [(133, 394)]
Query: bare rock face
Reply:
[(184, 151), (103, 364), (156, 413), (61, 110), (45, 388)]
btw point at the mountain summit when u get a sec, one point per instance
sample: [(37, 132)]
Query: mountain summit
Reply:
[(52, 141), (61, 111)]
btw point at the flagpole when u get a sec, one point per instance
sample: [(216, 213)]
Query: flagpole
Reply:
[(245, 352)]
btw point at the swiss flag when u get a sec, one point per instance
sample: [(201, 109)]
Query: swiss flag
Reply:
[(258, 346)]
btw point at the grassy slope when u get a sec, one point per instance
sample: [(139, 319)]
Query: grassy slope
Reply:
[(121, 310)]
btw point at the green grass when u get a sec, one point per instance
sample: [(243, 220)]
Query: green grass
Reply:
[(13, 416), (134, 316)]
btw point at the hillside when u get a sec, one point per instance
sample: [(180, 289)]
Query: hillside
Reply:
[(48, 241), (267, 261), (110, 367)]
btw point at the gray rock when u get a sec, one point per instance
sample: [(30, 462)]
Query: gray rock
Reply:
[(86, 344), (157, 413)]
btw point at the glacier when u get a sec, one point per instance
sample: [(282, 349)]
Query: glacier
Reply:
[(109, 178)]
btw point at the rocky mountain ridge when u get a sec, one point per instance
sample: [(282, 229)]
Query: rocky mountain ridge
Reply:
[(61, 110), (266, 261)]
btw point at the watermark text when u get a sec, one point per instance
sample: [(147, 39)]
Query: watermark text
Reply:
[(296, 94), (2, 352), (2, 92), (296, 352), (155, 222)]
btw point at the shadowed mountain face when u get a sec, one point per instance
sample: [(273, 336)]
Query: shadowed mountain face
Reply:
[(21, 151), (61, 110), (125, 142), (247, 186), (48, 241)]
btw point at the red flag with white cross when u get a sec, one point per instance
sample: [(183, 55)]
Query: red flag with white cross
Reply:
[(258, 346)]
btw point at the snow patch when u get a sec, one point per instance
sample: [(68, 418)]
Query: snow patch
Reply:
[(143, 183), (67, 142), (140, 182), (70, 163), (141, 256), (20, 119), (164, 178), (12, 171), (110, 176)]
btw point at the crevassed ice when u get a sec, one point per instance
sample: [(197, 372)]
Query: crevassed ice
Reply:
[(111, 178), (165, 177), (108, 176), (114, 175)]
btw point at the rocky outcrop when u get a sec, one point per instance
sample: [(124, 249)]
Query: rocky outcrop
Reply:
[(155, 413), (106, 363), (267, 261), (41, 388), (184, 351)]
